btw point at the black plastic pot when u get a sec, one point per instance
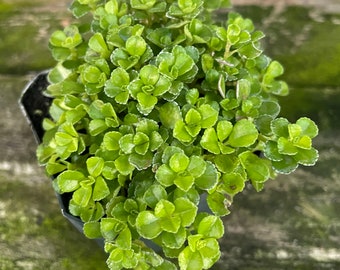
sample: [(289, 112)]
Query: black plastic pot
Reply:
[(35, 105)]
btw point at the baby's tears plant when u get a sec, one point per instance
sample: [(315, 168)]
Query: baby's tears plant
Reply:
[(157, 108)]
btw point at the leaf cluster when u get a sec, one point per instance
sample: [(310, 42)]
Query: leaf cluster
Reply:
[(155, 106)]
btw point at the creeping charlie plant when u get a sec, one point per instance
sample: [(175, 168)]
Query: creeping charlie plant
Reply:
[(155, 109)]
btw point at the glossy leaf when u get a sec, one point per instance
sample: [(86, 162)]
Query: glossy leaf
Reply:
[(243, 134), (148, 225), (95, 166), (211, 226), (217, 204), (154, 194), (179, 162), (308, 127), (186, 210), (208, 179), (165, 176), (100, 189), (69, 180), (174, 240), (257, 168)]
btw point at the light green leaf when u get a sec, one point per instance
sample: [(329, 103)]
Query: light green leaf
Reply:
[(141, 142), (180, 132), (136, 45), (196, 166), (123, 165), (209, 115), (165, 176), (184, 181), (286, 147), (69, 180), (226, 163), (179, 162), (233, 183), (98, 44), (126, 143), (243, 89), (174, 240), (223, 130), (209, 141), (124, 239), (100, 189), (186, 210), (95, 166), (243, 134), (97, 126), (148, 225), (217, 203), (188, 259), (258, 169), (208, 179), (82, 195), (169, 114), (92, 230), (154, 194), (146, 102), (111, 227), (111, 140), (211, 226), (307, 157), (309, 128)]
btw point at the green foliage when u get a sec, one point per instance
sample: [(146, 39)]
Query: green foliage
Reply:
[(155, 108)]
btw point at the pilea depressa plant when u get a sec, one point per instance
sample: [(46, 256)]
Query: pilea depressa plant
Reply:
[(157, 110)]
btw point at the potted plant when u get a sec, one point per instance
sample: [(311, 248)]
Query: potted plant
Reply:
[(158, 117)]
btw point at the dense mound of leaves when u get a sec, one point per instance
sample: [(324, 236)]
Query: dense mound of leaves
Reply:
[(155, 105)]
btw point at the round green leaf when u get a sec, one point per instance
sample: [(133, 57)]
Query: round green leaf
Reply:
[(287, 165), (148, 225), (243, 134), (111, 140), (309, 128), (188, 260), (211, 226), (135, 45), (217, 204), (179, 162), (95, 166), (69, 180), (307, 157), (208, 179), (82, 195), (186, 210), (184, 181), (196, 166), (223, 130), (233, 183), (154, 194), (123, 165), (169, 114), (165, 176), (100, 189), (92, 230), (209, 141), (174, 240), (257, 168), (209, 115)]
